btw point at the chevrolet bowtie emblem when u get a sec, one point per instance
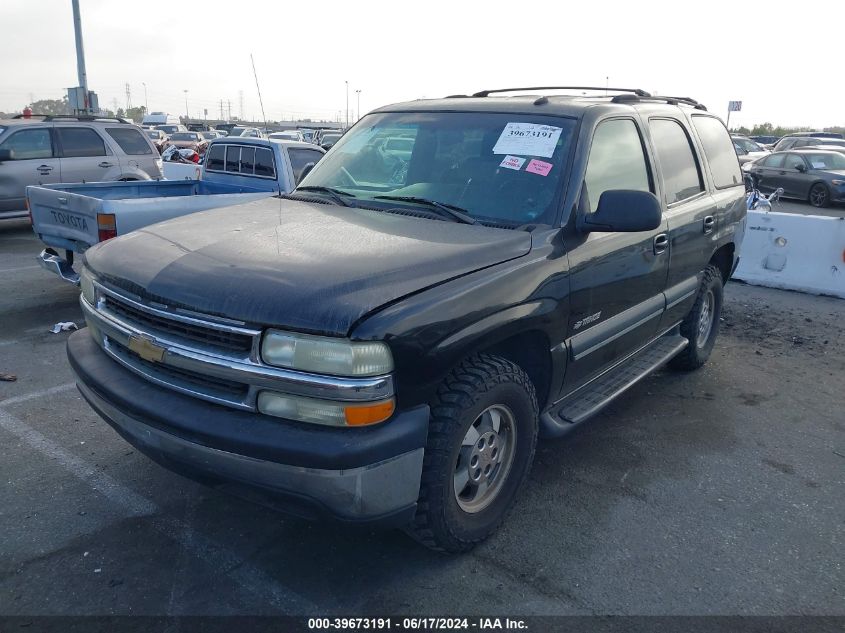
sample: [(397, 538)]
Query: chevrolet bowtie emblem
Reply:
[(146, 348)]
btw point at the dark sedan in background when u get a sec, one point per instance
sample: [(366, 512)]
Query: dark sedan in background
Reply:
[(817, 176)]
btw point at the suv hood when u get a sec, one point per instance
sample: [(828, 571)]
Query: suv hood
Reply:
[(297, 265)]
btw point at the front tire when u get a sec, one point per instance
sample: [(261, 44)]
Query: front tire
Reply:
[(481, 442), (701, 325), (819, 195)]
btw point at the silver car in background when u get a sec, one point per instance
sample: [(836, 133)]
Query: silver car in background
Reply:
[(43, 150)]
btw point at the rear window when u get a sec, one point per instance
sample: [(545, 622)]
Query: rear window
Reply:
[(264, 163), (678, 165), (719, 150), (130, 140), (77, 142)]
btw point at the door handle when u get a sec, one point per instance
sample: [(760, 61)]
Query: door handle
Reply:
[(661, 243), (46, 168), (709, 224), (105, 164)]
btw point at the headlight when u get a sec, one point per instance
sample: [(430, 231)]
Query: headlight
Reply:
[(324, 355), (837, 182), (86, 283), (327, 412)]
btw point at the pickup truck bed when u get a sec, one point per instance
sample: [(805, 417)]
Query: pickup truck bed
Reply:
[(66, 216), (74, 217)]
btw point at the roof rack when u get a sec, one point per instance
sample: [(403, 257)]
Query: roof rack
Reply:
[(626, 98), (75, 117), (636, 91)]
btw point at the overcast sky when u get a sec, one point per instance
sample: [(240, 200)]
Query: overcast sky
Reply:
[(713, 51)]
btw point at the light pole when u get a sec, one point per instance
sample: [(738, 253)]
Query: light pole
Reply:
[(187, 115), (347, 104), (358, 92), (146, 103)]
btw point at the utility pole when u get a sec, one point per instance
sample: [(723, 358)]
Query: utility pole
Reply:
[(146, 102), (229, 102), (222, 118), (187, 114), (80, 59), (128, 98), (358, 92)]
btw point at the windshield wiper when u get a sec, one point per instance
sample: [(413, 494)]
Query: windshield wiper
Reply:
[(454, 212), (334, 194)]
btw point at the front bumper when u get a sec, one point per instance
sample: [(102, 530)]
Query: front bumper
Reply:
[(358, 475), (53, 262)]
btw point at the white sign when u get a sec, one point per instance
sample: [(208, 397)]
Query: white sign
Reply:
[(528, 139), (512, 162), (734, 106)]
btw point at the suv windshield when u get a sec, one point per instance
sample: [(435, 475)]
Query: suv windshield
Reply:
[(500, 167)]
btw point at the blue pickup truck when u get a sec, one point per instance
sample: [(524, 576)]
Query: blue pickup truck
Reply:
[(74, 217)]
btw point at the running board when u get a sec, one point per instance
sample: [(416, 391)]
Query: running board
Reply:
[(579, 406)]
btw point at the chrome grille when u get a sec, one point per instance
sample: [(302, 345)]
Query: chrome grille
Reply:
[(233, 341)]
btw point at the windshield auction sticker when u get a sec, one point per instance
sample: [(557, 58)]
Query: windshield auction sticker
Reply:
[(528, 139), (512, 162)]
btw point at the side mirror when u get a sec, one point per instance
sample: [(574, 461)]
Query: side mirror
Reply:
[(7, 154), (801, 167), (625, 211)]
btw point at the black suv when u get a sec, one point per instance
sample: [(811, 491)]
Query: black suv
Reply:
[(386, 343)]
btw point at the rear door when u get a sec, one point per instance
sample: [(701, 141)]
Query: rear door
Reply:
[(34, 163), (767, 172), (85, 157), (689, 210), (616, 279)]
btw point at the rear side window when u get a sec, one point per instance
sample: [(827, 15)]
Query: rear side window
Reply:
[(681, 176), (617, 161), (248, 160), (214, 160), (775, 160), (717, 147), (29, 144), (233, 158), (78, 142), (264, 163), (300, 159), (130, 140)]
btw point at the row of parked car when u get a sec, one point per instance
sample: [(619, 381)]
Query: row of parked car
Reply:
[(808, 166), (181, 137)]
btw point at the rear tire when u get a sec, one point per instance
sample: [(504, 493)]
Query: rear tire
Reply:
[(701, 325), (819, 195), (474, 468)]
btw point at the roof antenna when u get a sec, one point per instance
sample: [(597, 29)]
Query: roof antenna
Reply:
[(257, 87)]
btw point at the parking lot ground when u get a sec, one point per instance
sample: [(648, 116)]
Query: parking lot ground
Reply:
[(714, 492)]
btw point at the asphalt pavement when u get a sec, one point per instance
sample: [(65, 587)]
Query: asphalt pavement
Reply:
[(714, 492)]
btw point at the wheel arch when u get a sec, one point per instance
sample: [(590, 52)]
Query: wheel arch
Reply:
[(723, 259)]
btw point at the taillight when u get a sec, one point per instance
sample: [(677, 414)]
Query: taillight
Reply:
[(106, 226)]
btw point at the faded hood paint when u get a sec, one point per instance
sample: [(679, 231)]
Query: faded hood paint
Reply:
[(296, 265)]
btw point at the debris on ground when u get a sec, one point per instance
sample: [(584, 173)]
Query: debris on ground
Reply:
[(63, 326), (7, 377)]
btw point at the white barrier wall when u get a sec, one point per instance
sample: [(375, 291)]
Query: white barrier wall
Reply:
[(795, 252), (181, 171)]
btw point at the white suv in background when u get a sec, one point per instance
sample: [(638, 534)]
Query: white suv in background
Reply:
[(44, 150)]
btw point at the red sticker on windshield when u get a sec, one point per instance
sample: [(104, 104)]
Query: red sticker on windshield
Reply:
[(539, 167)]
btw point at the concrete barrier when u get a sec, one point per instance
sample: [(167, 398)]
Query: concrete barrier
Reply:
[(794, 252), (181, 171)]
